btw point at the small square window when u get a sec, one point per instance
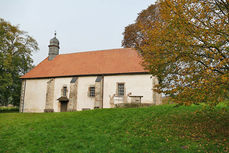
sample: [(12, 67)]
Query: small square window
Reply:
[(92, 91), (120, 89)]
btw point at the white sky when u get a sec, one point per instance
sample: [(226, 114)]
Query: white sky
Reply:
[(81, 25)]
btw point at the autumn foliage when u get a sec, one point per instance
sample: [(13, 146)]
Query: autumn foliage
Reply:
[(185, 43)]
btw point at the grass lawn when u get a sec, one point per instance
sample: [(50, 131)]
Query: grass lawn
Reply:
[(154, 129)]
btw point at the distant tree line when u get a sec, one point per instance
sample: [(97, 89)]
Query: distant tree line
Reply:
[(185, 43), (16, 49)]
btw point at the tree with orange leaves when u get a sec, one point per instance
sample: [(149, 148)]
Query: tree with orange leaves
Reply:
[(185, 43)]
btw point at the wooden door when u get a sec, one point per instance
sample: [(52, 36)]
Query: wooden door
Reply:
[(63, 107)]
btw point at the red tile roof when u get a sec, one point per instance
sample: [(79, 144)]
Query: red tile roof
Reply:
[(115, 61)]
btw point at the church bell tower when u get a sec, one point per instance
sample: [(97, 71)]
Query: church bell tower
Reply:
[(53, 48)]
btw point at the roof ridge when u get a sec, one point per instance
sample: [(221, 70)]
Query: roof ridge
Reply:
[(97, 51)]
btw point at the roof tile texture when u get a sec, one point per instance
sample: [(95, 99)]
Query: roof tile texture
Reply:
[(115, 61)]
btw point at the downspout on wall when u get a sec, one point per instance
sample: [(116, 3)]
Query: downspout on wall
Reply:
[(102, 88)]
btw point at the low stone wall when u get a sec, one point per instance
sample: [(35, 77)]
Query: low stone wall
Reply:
[(132, 105)]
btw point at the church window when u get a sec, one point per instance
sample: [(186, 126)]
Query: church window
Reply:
[(120, 89), (92, 91), (65, 91)]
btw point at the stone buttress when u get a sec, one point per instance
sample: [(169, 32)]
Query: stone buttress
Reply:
[(156, 96), (99, 92), (22, 98), (50, 96), (72, 104)]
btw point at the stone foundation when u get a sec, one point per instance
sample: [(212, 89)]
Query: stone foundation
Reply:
[(132, 105), (48, 110)]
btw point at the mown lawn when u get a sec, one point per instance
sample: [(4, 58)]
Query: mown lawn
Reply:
[(154, 129)]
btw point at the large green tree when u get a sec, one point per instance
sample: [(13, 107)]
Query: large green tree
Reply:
[(185, 43), (16, 49)]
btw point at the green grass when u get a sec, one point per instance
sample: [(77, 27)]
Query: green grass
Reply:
[(154, 129)]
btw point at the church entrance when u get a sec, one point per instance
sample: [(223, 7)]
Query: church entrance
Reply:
[(63, 103), (63, 107)]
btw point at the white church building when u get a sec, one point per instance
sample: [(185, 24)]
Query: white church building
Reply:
[(87, 80)]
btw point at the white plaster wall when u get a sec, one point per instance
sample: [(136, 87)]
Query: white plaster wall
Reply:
[(35, 91), (35, 95), (138, 85), (83, 100), (59, 84)]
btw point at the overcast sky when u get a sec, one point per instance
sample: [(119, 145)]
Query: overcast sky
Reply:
[(81, 25)]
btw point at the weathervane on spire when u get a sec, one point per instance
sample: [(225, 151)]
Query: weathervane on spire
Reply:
[(55, 33)]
